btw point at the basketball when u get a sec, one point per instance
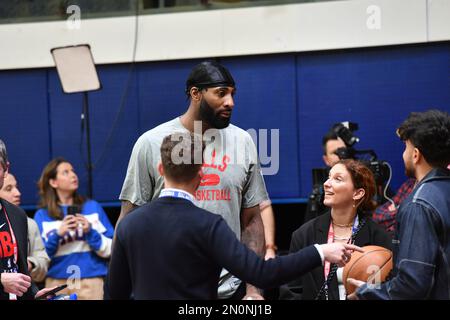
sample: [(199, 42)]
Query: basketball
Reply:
[(373, 266)]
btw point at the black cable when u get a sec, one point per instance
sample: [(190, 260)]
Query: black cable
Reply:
[(83, 120), (124, 94)]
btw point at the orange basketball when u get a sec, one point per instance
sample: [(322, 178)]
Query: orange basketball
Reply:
[(373, 266)]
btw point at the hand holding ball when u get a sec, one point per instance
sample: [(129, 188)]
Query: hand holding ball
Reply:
[(373, 266)]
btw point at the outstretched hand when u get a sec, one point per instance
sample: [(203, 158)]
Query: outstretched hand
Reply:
[(339, 253)]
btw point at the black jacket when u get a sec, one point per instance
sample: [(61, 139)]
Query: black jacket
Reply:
[(171, 249), (316, 231), (18, 219)]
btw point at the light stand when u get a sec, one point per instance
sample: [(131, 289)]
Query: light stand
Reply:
[(77, 73)]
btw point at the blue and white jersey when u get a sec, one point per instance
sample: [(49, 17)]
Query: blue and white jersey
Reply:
[(76, 252)]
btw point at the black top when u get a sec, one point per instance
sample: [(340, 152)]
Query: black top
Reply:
[(19, 224), (316, 231), (171, 249), (7, 243)]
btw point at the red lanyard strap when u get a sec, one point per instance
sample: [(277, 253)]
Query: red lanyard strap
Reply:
[(13, 237), (324, 289)]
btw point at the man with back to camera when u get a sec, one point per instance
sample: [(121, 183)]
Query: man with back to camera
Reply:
[(172, 249), (422, 242), (232, 186)]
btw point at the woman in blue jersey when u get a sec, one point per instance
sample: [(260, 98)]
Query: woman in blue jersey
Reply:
[(76, 232)]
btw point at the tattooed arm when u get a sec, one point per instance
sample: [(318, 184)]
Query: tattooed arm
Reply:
[(268, 220), (253, 237)]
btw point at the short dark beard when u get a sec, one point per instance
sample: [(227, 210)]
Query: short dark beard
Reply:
[(409, 172), (208, 115)]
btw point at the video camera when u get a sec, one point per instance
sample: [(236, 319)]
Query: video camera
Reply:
[(381, 169)]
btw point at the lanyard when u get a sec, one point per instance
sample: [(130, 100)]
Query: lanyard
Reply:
[(13, 237), (176, 193), (326, 269)]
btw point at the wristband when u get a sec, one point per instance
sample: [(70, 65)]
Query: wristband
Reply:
[(271, 246)]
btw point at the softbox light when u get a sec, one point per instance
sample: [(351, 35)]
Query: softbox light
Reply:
[(76, 68)]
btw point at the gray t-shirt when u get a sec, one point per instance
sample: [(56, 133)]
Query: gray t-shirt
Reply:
[(232, 176)]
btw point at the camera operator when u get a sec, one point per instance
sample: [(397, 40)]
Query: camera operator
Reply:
[(330, 143), (338, 144)]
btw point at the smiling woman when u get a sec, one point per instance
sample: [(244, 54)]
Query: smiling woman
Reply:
[(348, 193), (350, 185)]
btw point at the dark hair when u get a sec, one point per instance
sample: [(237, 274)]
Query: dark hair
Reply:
[(331, 135), (3, 155), (182, 156), (49, 197), (430, 133), (362, 177)]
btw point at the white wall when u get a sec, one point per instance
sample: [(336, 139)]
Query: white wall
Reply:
[(231, 32)]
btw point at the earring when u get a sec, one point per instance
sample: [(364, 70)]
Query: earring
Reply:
[(354, 204)]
